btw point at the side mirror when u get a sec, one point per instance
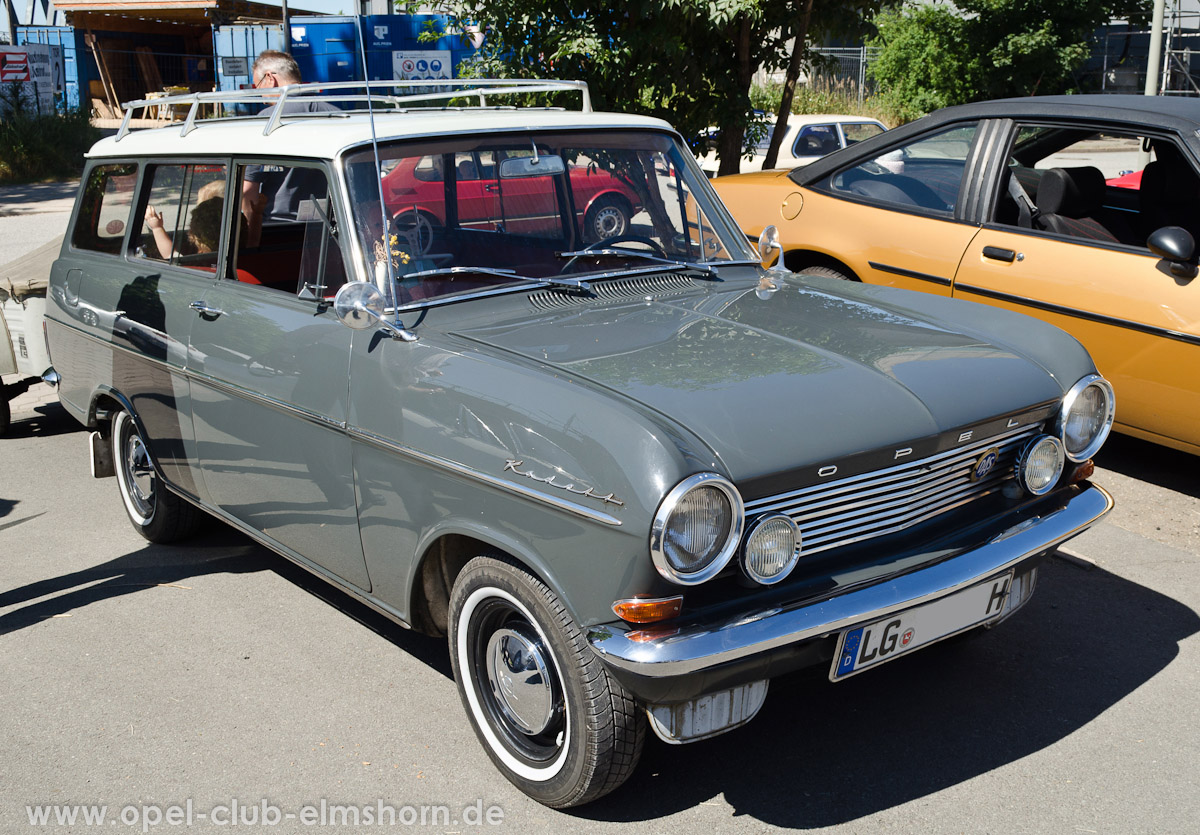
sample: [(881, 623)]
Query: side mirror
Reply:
[(1176, 245), (769, 248), (359, 305)]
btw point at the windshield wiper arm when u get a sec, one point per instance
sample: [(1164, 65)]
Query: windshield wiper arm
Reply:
[(705, 268), (569, 283)]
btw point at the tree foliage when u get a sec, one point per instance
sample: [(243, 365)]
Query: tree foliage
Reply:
[(943, 54), (690, 62)]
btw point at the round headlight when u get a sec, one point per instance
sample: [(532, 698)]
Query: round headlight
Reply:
[(772, 549), (696, 529), (1040, 464), (1087, 417)]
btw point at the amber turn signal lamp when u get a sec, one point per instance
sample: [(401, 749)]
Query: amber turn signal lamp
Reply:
[(1083, 471), (648, 610)]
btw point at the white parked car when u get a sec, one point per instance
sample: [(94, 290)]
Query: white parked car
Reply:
[(808, 138)]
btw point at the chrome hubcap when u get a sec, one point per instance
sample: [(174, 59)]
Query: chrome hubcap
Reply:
[(140, 474), (520, 678)]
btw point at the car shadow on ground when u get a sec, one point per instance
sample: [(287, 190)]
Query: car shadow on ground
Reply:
[(46, 420), (1152, 463), (221, 550), (822, 754)]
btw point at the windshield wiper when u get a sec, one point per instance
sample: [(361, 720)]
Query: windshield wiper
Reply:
[(702, 267), (568, 283)]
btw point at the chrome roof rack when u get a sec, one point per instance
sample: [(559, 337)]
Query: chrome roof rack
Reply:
[(397, 95)]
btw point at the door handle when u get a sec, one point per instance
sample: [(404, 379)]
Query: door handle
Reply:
[(205, 311), (998, 254)]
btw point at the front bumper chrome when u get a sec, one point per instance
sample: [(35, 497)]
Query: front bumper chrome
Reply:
[(698, 648)]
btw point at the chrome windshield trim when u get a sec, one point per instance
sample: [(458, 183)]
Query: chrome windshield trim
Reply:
[(705, 645), (380, 442)]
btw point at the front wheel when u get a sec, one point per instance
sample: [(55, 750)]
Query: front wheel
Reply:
[(542, 704), (607, 218), (156, 513)]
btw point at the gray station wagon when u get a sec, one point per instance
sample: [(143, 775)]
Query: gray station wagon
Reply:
[(513, 376)]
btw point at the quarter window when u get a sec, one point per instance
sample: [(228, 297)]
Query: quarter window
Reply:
[(925, 174), (104, 208)]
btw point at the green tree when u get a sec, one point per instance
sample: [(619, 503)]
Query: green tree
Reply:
[(951, 53), (690, 62)]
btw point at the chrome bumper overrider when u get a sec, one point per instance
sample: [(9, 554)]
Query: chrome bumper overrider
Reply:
[(699, 648)]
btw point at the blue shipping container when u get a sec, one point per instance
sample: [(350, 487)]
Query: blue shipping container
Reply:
[(327, 48), (236, 48)]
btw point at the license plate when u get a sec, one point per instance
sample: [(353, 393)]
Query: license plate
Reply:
[(889, 638)]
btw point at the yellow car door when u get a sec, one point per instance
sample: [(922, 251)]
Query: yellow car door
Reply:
[(1140, 323)]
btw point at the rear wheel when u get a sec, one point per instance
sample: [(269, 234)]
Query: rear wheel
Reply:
[(155, 512), (827, 272), (543, 706), (5, 410)]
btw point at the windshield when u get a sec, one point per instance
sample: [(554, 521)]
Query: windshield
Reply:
[(467, 213)]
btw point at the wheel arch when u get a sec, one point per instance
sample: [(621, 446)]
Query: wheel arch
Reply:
[(799, 259), (106, 400), (444, 557), (614, 194)]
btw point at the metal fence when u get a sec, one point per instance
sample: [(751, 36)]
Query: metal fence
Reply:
[(836, 66)]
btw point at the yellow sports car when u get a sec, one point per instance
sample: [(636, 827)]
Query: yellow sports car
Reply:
[(1080, 210)]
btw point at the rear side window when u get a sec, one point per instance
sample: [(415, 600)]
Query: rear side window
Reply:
[(104, 208), (182, 219)]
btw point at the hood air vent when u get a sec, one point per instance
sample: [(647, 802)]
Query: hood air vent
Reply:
[(621, 288)]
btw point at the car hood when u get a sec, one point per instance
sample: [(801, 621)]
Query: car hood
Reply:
[(807, 375)]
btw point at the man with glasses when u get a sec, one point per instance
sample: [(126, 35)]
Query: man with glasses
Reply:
[(275, 192)]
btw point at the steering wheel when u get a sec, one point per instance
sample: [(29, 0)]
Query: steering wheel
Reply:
[(655, 248)]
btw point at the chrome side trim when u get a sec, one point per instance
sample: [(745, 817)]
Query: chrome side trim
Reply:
[(270, 402), (702, 646), (379, 442)]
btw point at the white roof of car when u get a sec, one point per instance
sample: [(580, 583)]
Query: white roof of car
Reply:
[(322, 135)]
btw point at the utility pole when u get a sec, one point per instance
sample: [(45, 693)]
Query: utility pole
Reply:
[(1154, 62), (287, 28)]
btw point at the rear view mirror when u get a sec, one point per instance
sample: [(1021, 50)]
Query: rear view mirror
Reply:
[(544, 165)]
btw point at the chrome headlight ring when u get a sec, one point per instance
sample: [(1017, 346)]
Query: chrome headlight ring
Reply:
[(1040, 464), (773, 526), (1078, 397), (670, 535)]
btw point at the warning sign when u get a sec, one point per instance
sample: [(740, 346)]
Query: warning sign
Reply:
[(422, 64)]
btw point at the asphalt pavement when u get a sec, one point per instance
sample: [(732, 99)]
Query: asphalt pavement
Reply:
[(165, 683)]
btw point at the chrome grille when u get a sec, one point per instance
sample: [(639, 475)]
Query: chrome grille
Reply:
[(869, 505), (621, 288)]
